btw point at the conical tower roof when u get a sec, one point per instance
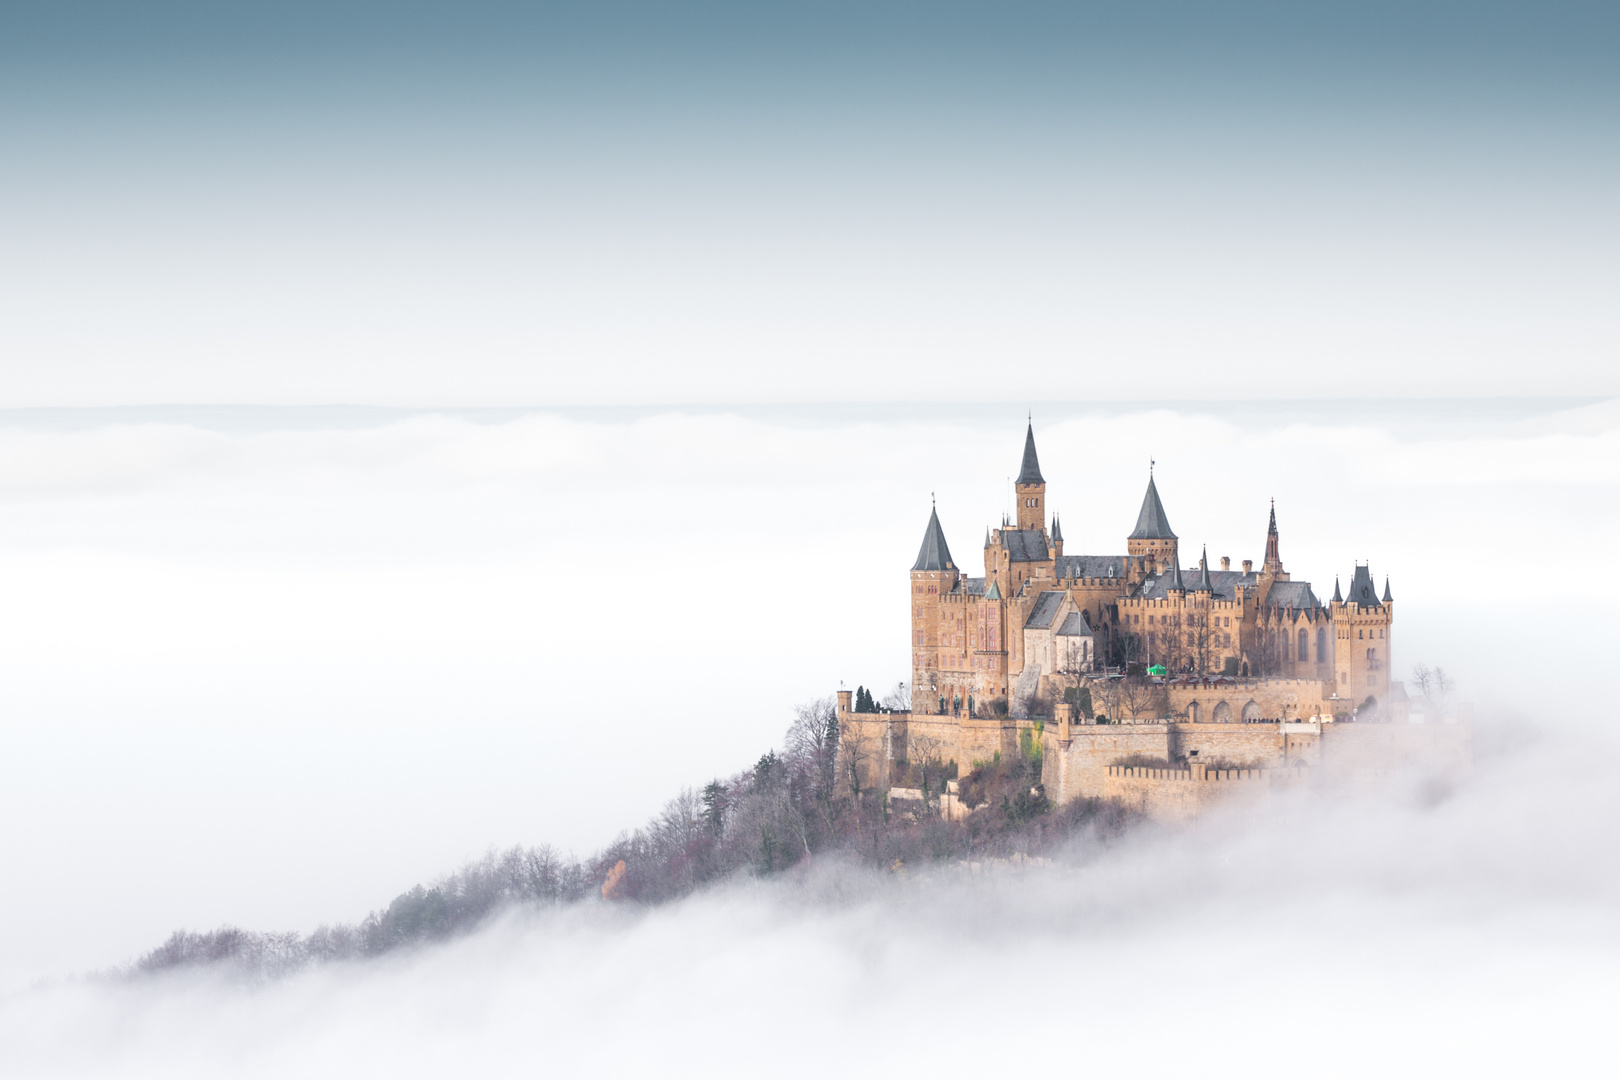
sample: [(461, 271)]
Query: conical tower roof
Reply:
[(1151, 523), (1031, 471), (935, 554), (1175, 577), (1057, 528), (1203, 573), (1387, 598), (1337, 597)]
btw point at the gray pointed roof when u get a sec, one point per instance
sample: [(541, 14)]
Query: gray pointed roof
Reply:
[(1151, 524), (1337, 599), (1362, 589), (1203, 573), (993, 592), (1057, 528), (935, 554), (1387, 598), (1031, 472), (1175, 577), (1075, 625)]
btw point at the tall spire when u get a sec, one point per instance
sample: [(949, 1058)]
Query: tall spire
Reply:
[(1337, 597), (1175, 577), (1057, 530), (1203, 573), (1151, 523), (934, 554), (1273, 563), (1031, 471), (1388, 599)]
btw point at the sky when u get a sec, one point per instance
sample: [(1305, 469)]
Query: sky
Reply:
[(529, 205), (416, 419)]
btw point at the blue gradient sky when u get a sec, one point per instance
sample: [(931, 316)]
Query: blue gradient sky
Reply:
[(504, 204)]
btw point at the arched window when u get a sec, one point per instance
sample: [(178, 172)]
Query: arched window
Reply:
[(1192, 712), (1223, 713), (1372, 655), (1304, 646)]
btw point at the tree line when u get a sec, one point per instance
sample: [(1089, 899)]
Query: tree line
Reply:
[(802, 802)]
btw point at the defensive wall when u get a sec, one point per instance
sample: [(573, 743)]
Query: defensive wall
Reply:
[(1167, 769), (1176, 765), (1178, 794)]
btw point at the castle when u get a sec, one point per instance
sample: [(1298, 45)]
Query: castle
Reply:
[(1128, 657)]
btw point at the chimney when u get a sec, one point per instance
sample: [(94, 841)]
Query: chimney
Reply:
[(1226, 563), (1248, 566)]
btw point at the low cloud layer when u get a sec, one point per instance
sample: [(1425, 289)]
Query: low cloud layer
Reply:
[(1419, 931), (270, 674)]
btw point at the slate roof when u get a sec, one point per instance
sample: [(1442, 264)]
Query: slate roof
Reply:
[(971, 586), (1151, 523), (1044, 611), (1075, 625), (1362, 590), (993, 592), (1025, 545), (1091, 566), (934, 554), (1057, 530), (1222, 584), (1031, 471), (1292, 594)]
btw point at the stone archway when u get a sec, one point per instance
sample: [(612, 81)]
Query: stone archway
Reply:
[(1251, 711), (1223, 713), (1193, 712)]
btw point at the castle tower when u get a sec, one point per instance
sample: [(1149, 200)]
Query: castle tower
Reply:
[(1031, 487), (1363, 641), (933, 575), (1152, 538)]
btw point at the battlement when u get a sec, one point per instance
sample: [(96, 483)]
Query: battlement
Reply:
[(1197, 774)]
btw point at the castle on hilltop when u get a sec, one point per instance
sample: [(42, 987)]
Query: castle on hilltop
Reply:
[(1102, 663), (1007, 642)]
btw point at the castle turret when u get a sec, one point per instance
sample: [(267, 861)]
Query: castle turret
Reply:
[(1031, 487), (1057, 538), (933, 575), (1152, 537)]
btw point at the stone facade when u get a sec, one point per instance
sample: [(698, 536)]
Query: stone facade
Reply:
[(1234, 684), (1040, 622)]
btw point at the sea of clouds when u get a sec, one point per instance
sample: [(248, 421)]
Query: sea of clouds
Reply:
[(272, 667)]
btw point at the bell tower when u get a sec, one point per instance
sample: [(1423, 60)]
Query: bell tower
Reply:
[(1031, 487)]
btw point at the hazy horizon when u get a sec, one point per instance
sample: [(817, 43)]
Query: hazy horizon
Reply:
[(661, 328)]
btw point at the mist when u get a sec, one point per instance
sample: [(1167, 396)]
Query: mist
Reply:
[(269, 668)]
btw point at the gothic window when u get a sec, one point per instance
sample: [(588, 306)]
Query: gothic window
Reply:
[(1372, 655), (1304, 646)]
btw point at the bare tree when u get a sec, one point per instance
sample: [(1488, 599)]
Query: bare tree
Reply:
[(1137, 695), (926, 756), (898, 699), (1434, 684)]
